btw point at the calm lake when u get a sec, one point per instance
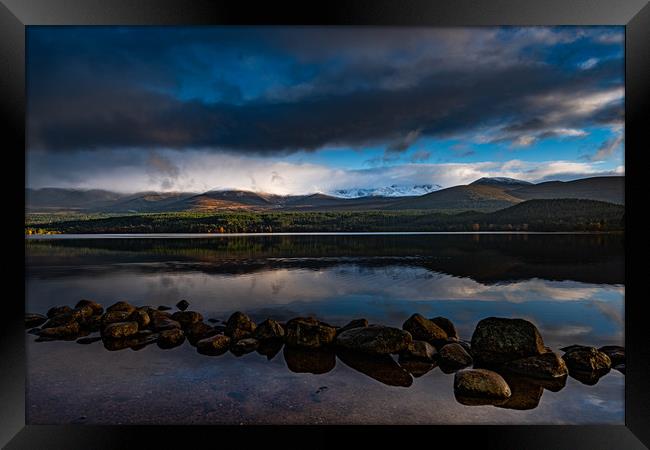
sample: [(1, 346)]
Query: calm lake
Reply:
[(570, 285)]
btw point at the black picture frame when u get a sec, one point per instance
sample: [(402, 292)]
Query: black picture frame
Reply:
[(15, 15)]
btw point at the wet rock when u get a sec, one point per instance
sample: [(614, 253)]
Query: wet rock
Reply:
[(57, 310), (616, 353), (198, 331), (573, 347), (356, 323), (171, 338), (447, 326), (239, 326), (160, 322), (243, 346), (416, 367), (269, 329), (35, 331), (270, 348), (121, 306), (34, 320), (88, 340), (481, 383), (546, 366), (97, 308), (498, 340), (423, 329), (67, 331), (135, 342), (62, 319), (164, 308), (115, 317), (92, 323), (375, 339), (620, 368), (120, 330), (309, 332), (466, 345), (84, 312), (183, 305), (526, 393), (187, 318), (215, 345), (587, 359), (453, 357), (590, 378), (140, 316), (214, 320), (303, 360), (382, 368), (419, 350)]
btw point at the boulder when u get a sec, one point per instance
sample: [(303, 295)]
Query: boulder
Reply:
[(382, 368), (187, 318), (197, 331), (135, 341), (70, 330), (356, 323), (419, 350), (164, 308), (171, 338), (239, 326), (243, 346), (587, 359), (453, 357), (34, 320), (620, 368), (423, 329), (160, 322), (526, 393), (269, 348), (115, 317), (84, 311), (140, 316), (375, 339), (309, 332), (62, 319), (416, 367), (96, 307), (499, 340), (616, 353), (447, 326), (480, 383), (545, 366), (120, 330), (56, 310), (183, 305), (303, 360), (121, 306), (269, 329), (92, 323), (215, 345)]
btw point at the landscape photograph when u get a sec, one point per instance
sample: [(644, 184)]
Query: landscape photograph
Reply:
[(254, 225)]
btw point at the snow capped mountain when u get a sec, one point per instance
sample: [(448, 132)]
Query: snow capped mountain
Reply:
[(393, 190)]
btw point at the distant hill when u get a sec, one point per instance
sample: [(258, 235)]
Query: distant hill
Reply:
[(483, 195)]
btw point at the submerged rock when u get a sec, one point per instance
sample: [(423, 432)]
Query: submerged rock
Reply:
[(160, 322), (616, 353), (447, 326), (120, 330), (57, 310), (215, 345), (121, 306), (135, 341), (356, 323), (620, 368), (546, 366), (526, 393), (187, 318), (303, 360), (419, 350), (243, 346), (453, 357), (499, 340), (416, 367), (239, 326), (481, 383), (382, 368), (183, 305), (70, 330), (62, 319), (269, 329), (97, 308), (198, 331), (34, 320), (423, 329), (309, 332), (375, 339), (269, 348), (171, 338), (88, 340), (92, 323)]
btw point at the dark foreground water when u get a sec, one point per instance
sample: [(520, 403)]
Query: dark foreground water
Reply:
[(570, 286)]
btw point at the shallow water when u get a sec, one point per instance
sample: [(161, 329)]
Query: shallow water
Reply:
[(570, 286)]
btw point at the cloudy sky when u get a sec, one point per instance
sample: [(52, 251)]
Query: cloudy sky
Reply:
[(294, 110)]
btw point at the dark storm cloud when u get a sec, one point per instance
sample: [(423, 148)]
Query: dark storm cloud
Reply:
[(140, 92)]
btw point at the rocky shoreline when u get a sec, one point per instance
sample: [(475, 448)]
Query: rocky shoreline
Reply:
[(504, 364)]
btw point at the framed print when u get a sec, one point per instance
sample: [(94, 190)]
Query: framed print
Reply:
[(272, 223)]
